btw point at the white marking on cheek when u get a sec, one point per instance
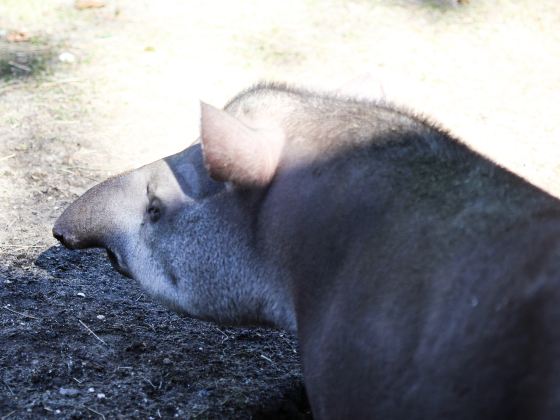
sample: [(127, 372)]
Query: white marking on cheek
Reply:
[(160, 287), (155, 281), (147, 270)]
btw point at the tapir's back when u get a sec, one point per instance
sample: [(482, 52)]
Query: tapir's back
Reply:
[(426, 279), (438, 315)]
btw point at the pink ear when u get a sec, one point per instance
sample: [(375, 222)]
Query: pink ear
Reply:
[(235, 152)]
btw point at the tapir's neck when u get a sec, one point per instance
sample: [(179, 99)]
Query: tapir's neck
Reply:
[(326, 219), (261, 288)]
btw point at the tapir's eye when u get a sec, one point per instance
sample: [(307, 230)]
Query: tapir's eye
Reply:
[(154, 209)]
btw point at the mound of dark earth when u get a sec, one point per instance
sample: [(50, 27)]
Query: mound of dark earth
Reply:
[(80, 341)]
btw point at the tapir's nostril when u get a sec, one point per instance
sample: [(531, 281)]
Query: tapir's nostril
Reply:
[(58, 235)]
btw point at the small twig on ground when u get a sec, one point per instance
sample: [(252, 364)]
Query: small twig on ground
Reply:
[(7, 157), (89, 329), (85, 168), (96, 412), (200, 413), (20, 313), (224, 334), (77, 380), (150, 382), (75, 174), (20, 247), (9, 387), (7, 415), (19, 66), (266, 358)]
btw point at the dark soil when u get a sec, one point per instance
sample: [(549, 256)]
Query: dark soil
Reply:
[(80, 341)]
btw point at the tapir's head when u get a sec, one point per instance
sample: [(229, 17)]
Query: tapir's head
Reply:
[(119, 212), (154, 221)]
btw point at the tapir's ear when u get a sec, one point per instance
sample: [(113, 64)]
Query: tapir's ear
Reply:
[(235, 152)]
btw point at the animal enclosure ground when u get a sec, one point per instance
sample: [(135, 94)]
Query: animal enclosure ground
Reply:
[(79, 342), (125, 92)]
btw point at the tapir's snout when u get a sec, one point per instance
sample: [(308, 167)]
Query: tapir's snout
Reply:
[(73, 233), (101, 218), (66, 237), (58, 235), (88, 221), (114, 214)]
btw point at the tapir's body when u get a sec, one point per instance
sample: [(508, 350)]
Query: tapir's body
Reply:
[(422, 280)]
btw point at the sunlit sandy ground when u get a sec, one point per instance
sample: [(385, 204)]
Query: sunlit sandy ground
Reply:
[(489, 71)]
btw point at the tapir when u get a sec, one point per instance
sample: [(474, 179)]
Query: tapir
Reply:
[(421, 278)]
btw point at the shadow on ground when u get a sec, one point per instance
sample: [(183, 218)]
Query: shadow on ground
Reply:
[(80, 341)]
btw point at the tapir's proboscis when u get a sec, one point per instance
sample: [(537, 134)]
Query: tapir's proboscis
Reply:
[(422, 279)]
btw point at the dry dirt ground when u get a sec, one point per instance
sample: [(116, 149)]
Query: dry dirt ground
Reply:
[(79, 341)]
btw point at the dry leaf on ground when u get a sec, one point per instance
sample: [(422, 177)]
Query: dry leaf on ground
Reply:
[(89, 4), (17, 36)]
